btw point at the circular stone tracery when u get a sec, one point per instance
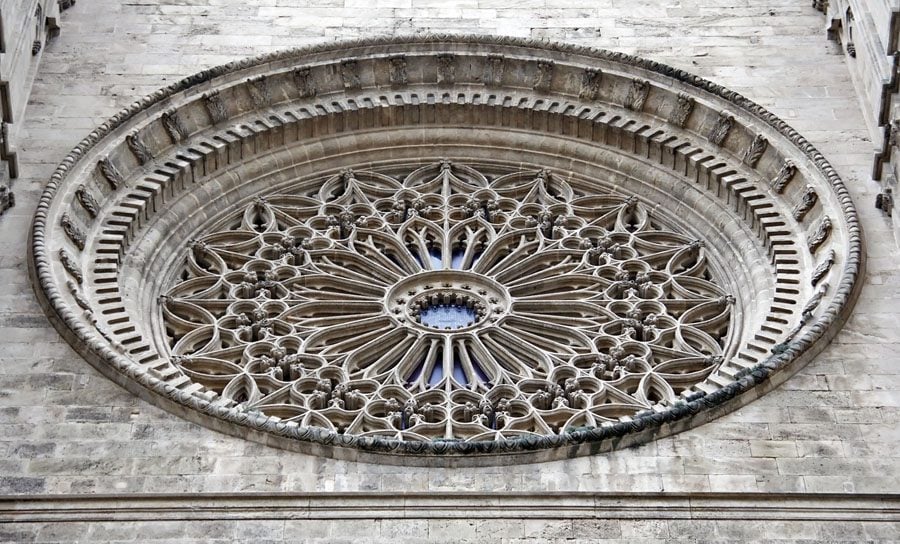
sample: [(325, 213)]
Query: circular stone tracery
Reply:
[(563, 309), (613, 248)]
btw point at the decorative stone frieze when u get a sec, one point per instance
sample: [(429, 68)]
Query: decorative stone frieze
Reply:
[(446, 248)]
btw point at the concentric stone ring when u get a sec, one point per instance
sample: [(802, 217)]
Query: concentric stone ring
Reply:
[(447, 299), (446, 250)]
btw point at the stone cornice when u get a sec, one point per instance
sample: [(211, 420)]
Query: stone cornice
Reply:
[(455, 505)]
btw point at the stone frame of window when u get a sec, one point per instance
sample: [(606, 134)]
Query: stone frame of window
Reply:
[(760, 167)]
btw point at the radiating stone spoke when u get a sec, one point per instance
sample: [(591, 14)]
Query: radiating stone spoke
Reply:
[(449, 304)]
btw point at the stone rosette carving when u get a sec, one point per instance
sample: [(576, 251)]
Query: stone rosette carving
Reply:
[(584, 271), (489, 308)]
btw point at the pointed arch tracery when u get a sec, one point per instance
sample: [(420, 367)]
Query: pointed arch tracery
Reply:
[(447, 303)]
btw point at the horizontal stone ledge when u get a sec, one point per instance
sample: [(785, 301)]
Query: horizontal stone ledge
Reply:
[(441, 505)]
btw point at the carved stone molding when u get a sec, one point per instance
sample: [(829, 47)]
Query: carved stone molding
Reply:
[(7, 199), (317, 249), (446, 330), (340, 506)]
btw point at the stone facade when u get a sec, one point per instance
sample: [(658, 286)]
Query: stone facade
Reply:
[(26, 27), (753, 474), (869, 33), (307, 304)]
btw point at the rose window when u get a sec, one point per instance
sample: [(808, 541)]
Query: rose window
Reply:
[(446, 248), (447, 303)]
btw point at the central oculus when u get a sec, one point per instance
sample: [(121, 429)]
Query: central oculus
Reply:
[(447, 301), (448, 316)]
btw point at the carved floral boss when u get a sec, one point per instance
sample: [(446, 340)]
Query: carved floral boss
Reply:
[(447, 304)]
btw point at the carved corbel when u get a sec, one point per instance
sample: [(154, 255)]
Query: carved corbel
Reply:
[(590, 84), (784, 176), (79, 298), (543, 76), (215, 107), (755, 150), (398, 74), (173, 125), (493, 70), (823, 268), (682, 110), (807, 200), (72, 231), (446, 69), (71, 266), (304, 82), (138, 148), (110, 173), (819, 235), (350, 74), (637, 94), (259, 91), (88, 202), (721, 128)]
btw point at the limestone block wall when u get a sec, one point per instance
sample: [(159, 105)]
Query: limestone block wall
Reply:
[(26, 27), (869, 34), (866, 32), (813, 460)]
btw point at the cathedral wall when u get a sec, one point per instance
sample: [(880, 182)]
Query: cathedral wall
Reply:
[(869, 33), (830, 429), (25, 27)]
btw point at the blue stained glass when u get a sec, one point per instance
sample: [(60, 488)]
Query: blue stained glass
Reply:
[(437, 261), (444, 316), (437, 373), (479, 372), (456, 260), (415, 255), (476, 255), (417, 371)]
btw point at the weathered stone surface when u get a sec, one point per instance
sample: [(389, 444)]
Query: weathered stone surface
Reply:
[(773, 52), (636, 328), (27, 28)]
